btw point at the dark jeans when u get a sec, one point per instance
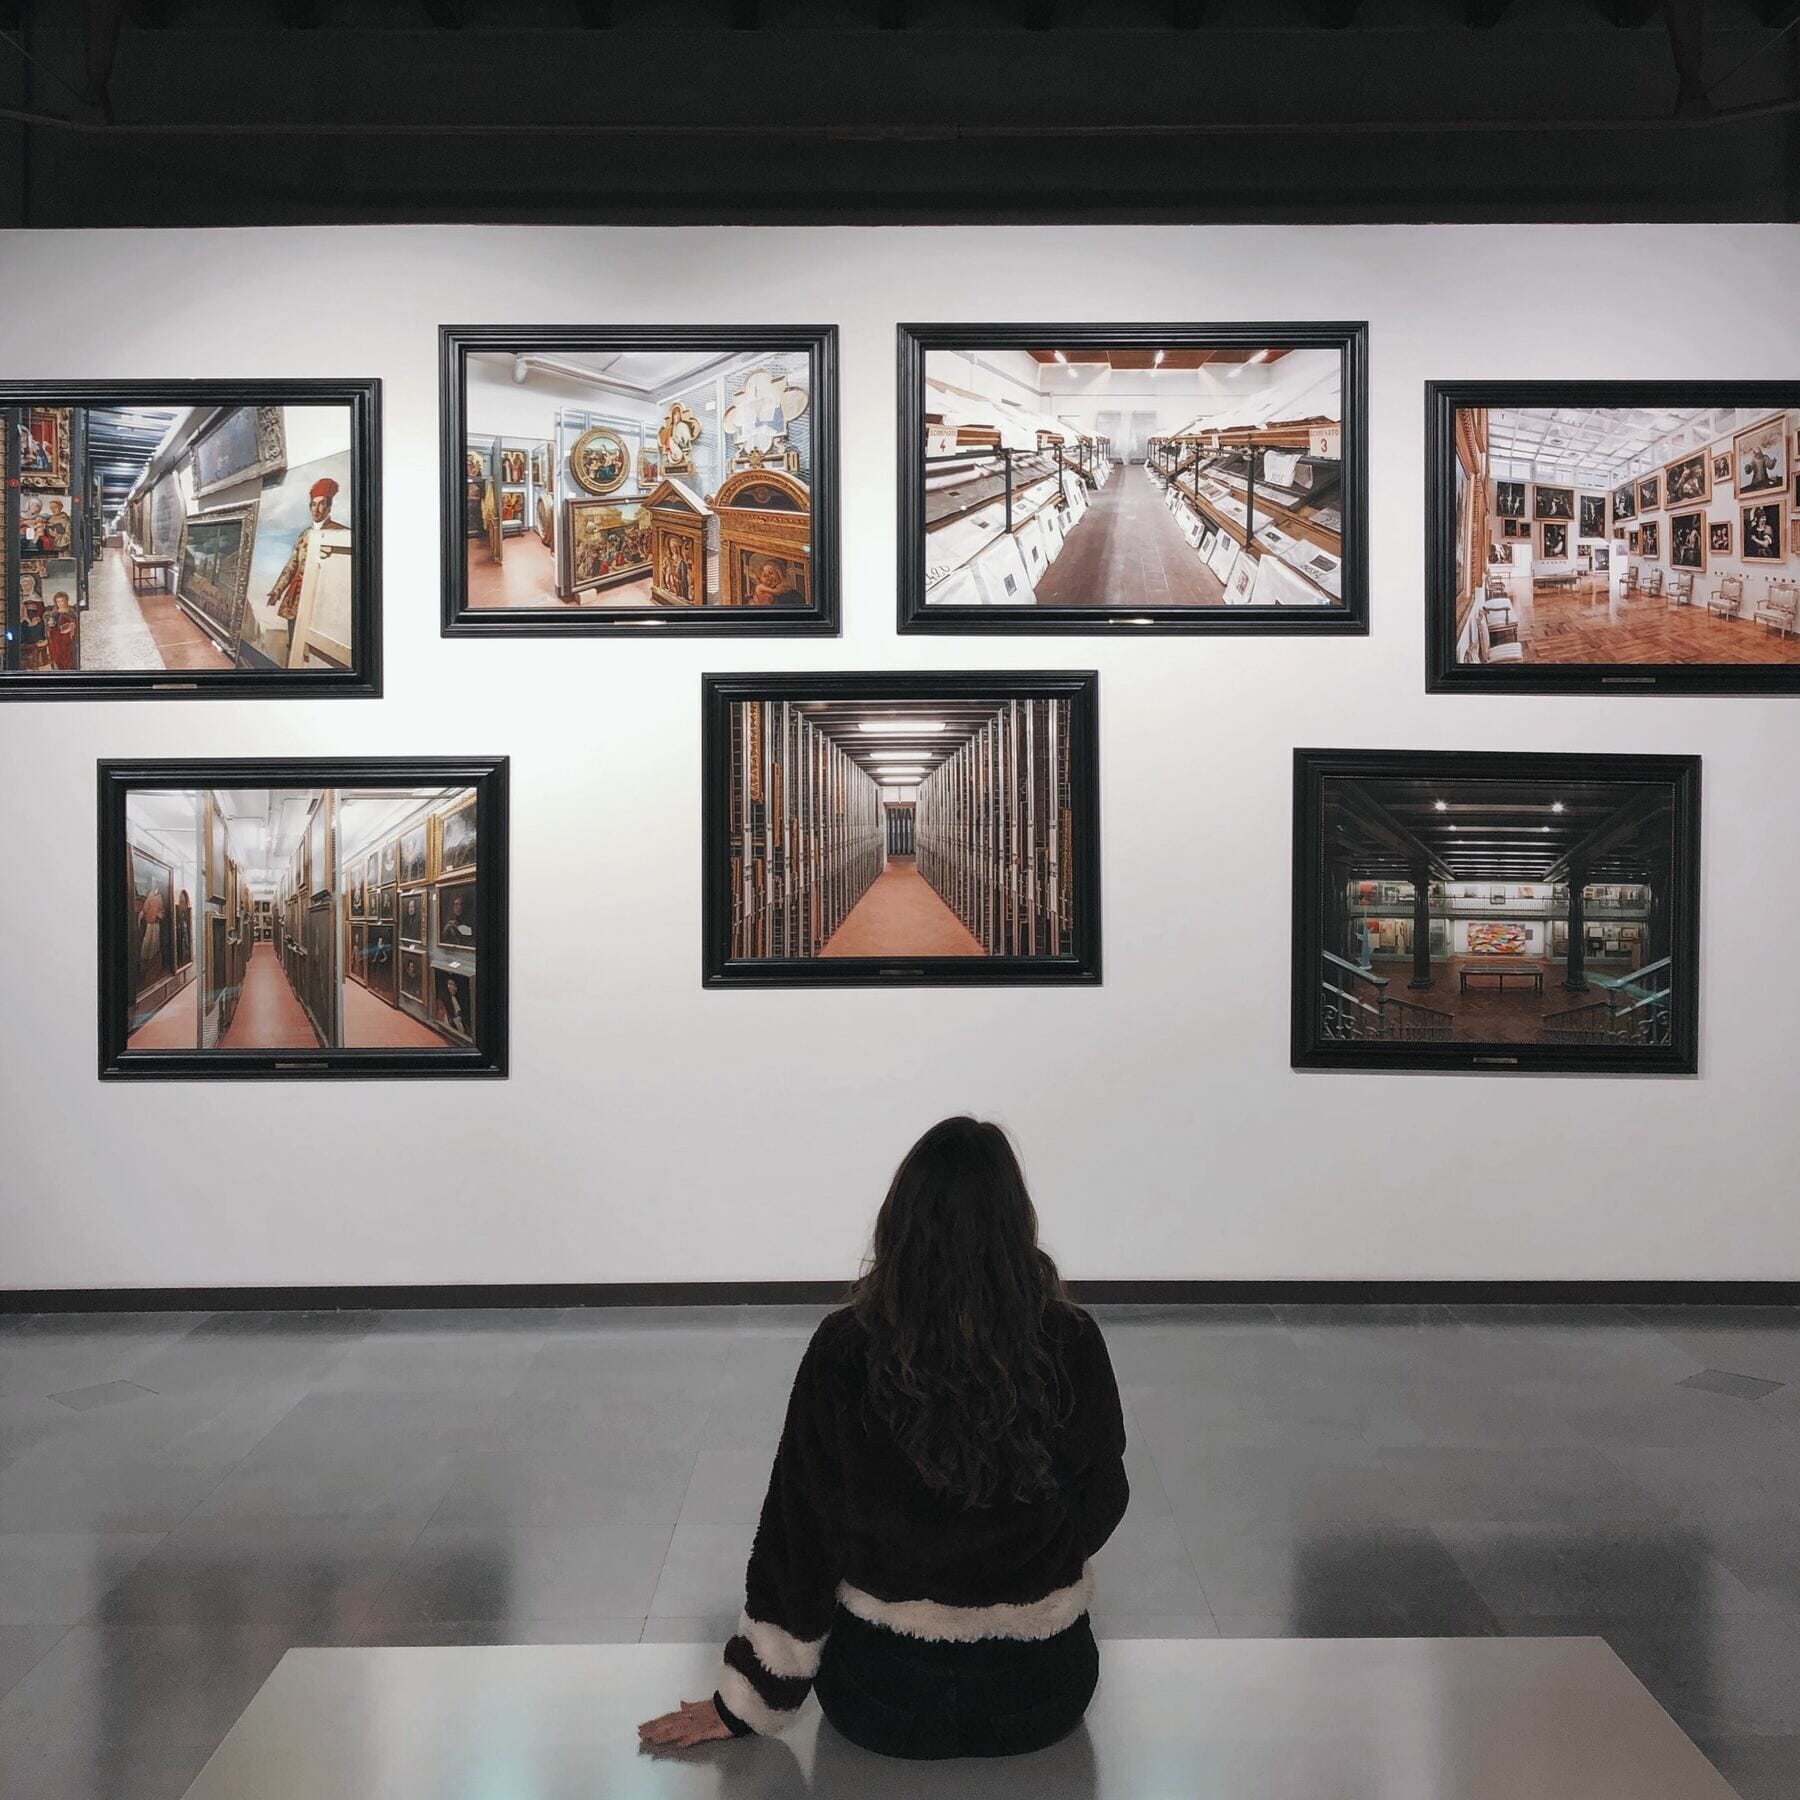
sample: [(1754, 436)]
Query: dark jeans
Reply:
[(901, 1696)]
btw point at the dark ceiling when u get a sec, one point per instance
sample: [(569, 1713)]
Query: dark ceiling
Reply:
[(1500, 831), (201, 112)]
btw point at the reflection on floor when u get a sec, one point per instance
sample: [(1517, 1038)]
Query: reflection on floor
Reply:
[(269, 1015), (173, 1026), (207, 1490), (371, 1024), (1128, 551), (901, 915), (123, 629), (525, 575), (1581, 624)]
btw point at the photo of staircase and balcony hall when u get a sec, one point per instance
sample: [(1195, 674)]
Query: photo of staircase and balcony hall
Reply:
[(1497, 912)]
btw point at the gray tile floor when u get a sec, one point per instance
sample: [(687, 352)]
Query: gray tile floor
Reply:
[(183, 1497)]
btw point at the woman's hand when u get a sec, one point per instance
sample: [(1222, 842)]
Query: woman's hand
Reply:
[(698, 1722)]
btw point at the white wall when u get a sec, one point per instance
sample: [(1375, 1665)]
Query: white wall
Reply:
[(654, 1131)]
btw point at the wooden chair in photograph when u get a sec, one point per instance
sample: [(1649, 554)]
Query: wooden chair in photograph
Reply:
[(1631, 582), (1727, 600), (1780, 607), (1653, 584), (1497, 643), (1681, 588)]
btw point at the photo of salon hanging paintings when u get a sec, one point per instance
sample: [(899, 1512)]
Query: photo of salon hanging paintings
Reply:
[(159, 546), (298, 924), (604, 482), (1080, 478), (1670, 563)]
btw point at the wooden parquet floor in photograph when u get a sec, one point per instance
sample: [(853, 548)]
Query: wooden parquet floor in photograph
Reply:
[(1563, 625)]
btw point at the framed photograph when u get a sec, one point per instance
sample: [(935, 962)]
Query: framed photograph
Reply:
[(1649, 493), (1688, 480), (1762, 537), (1553, 541), (1485, 983), (1022, 512), (1593, 516), (1761, 457), (1687, 541), (413, 853), (412, 915), (254, 504), (1599, 437), (325, 1003), (456, 841), (1552, 502), (698, 442), (453, 919), (900, 830), (1509, 499)]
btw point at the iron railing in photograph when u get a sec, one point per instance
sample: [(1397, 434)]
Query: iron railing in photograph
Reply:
[(1358, 1008), (1635, 1009)]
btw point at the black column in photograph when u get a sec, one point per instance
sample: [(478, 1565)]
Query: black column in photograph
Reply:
[(1421, 880), (1575, 973)]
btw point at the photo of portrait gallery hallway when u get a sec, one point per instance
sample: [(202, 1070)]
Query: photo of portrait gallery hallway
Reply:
[(298, 919), (1502, 912), (900, 828)]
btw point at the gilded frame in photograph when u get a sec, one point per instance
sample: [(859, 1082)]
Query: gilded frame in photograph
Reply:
[(268, 457), (820, 618)]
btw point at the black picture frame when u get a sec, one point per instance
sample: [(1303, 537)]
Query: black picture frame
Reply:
[(363, 679), (1080, 967), (1350, 619), (819, 618), (1443, 673), (1312, 1048), (487, 1057)]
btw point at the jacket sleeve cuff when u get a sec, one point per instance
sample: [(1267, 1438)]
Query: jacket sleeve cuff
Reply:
[(733, 1723)]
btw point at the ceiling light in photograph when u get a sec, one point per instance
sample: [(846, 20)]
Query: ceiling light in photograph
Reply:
[(909, 726)]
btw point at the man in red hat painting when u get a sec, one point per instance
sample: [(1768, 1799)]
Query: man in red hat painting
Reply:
[(284, 596)]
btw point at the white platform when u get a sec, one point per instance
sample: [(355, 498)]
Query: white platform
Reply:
[(1176, 1719)]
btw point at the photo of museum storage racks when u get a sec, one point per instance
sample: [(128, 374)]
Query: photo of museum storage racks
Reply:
[(282, 919), (916, 829)]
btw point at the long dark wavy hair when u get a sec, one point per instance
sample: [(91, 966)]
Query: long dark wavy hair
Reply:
[(958, 1303)]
